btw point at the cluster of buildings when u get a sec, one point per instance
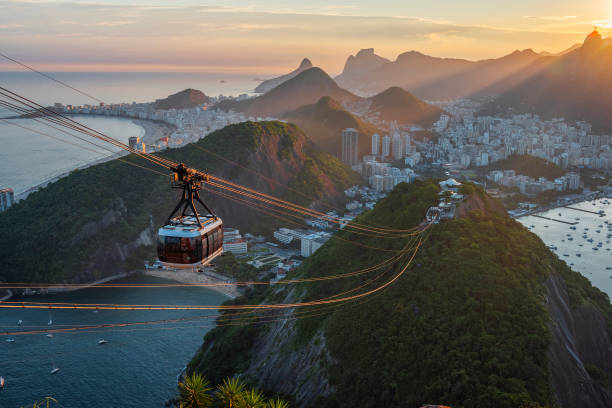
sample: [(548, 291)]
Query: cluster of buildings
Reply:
[(530, 186), (468, 140), (233, 242), (377, 167), (7, 198), (191, 124)]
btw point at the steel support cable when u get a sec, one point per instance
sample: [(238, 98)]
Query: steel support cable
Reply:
[(68, 122), (220, 318), (283, 216), (275, 181), (83, 147), (383, 264), (304, 210), (102, 306), (67, 85), (50, 77), (168, 162), (24, 111), (79, 127), (348, 226)]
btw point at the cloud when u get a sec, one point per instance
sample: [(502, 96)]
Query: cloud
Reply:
[(116, 23), (550, 18), (8, 26)]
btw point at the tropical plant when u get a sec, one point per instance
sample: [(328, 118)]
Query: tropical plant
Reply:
[(230, 391), (277, 403), (251, 399), (195, 392)]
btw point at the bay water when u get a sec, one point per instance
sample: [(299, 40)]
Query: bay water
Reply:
[(137, 367)]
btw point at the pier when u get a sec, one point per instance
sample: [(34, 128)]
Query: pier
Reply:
[(580, 209), (552, 219)]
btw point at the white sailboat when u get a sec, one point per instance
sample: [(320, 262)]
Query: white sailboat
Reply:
[(55, 369), (20, 322), (102, 341)]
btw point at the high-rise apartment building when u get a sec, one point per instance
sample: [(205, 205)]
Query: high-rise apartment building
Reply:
[(375, 144), (386, 146), (350, 146)]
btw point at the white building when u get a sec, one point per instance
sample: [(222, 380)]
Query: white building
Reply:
[(310, 243), (375, 144), (398, 146), (386, 146), (233, 242)]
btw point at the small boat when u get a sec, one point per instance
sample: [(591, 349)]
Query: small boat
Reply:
[(49, 335), (10, 340), (54, 370), (578, 255), (20, 322), (50, 322), (1, 383), (102, 341)]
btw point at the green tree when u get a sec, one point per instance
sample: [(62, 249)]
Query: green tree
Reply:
[(230, 391), (195, 392), (251, 399)]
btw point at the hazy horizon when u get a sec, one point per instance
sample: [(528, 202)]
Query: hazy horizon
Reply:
[(273, 36)]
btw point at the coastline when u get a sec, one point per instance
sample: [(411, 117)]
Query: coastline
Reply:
[(152, 132), (187, 276)]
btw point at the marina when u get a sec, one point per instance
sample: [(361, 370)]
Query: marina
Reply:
[(584, 242)]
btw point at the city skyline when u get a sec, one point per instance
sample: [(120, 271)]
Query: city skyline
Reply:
[(272, 36)]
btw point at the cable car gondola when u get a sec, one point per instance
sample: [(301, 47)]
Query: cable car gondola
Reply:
[(189, 239)]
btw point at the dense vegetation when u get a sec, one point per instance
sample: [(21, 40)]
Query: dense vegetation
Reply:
[(90, 224), (465, 326), (526, 165)]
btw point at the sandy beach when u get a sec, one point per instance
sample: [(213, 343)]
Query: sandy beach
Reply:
[(153, 130), (188, 276)]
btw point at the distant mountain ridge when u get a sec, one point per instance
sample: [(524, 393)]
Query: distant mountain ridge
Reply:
[(431, 77), (304, 89), (187, 98), (268, 84), (576, 86)]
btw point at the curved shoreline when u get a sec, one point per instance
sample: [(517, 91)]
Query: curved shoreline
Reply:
[(152, 132), (187, 276)]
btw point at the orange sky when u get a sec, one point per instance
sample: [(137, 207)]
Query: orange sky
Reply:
[(272, 36)]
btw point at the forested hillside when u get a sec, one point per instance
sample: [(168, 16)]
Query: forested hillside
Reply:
[(483, 317), (103, 220)]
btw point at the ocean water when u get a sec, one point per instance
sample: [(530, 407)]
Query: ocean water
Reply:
[(578, 252), (138, 367), (119, 87), (28, 159)]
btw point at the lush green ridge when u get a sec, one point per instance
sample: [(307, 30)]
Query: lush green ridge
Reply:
[(68, 230), (466, 326), (527, 165)]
